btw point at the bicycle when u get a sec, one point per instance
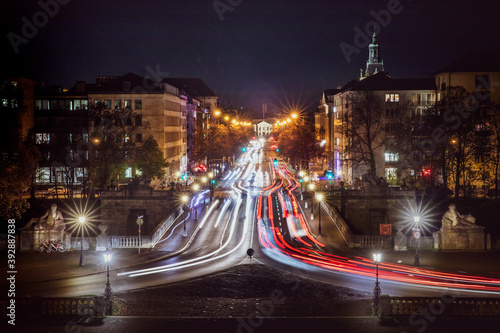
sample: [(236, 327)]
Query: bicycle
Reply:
[(50, 245)]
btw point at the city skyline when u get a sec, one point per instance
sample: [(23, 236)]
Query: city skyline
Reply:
[(249, 52)]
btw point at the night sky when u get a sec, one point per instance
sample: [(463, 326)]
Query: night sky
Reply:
[(273, 51)]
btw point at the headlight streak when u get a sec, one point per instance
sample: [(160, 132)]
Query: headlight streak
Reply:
[(277, 248), (364, 267), (223, 210), (202, 259)]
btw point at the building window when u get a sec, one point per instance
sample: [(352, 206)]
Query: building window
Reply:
[(118, 103), (392, 98), (107, 103), (391, 157), (42, 138), (127, 103), (138, 137), (138, 104), (128, 172), (138, 120), (391, 173)]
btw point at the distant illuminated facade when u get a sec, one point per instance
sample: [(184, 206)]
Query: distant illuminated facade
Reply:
[(332, 119), (262, 128), (61, 122)]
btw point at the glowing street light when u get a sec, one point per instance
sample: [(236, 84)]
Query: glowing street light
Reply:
[(81, 220), (417, 234), (377, 258), (184, 199), (210, 176), (319, 197), (196, 187)]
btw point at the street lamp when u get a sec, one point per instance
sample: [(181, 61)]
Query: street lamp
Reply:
[(81, 219), (108, 293), (416, 235), (210, 176), (140, 221), (377, 257), (184, 199), (196, 187), (319, 197)]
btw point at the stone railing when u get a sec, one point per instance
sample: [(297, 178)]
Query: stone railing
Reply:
[(162, 228), (449, 306), (340, 223), (352, 240), (37, 307), (378, 241), (126, 242)]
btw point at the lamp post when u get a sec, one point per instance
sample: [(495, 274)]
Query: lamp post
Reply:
[(108, 293), (210, 176), (140, 221), (416, 234), (377, 257), (81, 219), (184, 199), (319, 197), (196, 187)]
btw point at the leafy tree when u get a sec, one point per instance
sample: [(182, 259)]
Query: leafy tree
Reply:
[(221, 139), (18, 157), (113, 148), (466, 138), (494, 125), (149, 159), (298, 142)]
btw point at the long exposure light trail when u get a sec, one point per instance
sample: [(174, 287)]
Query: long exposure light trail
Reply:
[(277, 248)]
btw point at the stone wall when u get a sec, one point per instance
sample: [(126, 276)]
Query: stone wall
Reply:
[(120, 213), (364, 210)]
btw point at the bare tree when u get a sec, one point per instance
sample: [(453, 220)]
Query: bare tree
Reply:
[(365, 130)]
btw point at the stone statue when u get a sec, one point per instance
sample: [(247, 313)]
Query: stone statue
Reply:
[(52, 220), (453, 220)]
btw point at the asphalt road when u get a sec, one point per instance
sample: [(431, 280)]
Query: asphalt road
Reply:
[(225, 229)]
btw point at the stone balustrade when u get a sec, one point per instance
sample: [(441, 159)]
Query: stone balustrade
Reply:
[(37, 307), (448, 306)]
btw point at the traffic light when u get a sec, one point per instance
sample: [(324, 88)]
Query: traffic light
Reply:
[(277, 150), (275, 161), (426, 172), (244, 149), (213, 181), (184, 177)]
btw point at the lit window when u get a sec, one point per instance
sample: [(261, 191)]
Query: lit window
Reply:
[(128, 172), (41, 138), (391, 173), (392, 98), (391, 157)]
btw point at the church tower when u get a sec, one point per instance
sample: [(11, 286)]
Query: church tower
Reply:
[(374, 64)]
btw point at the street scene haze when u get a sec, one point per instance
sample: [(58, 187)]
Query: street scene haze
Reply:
[(250, 166)]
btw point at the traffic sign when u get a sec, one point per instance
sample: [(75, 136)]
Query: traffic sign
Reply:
[(417, 234)]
